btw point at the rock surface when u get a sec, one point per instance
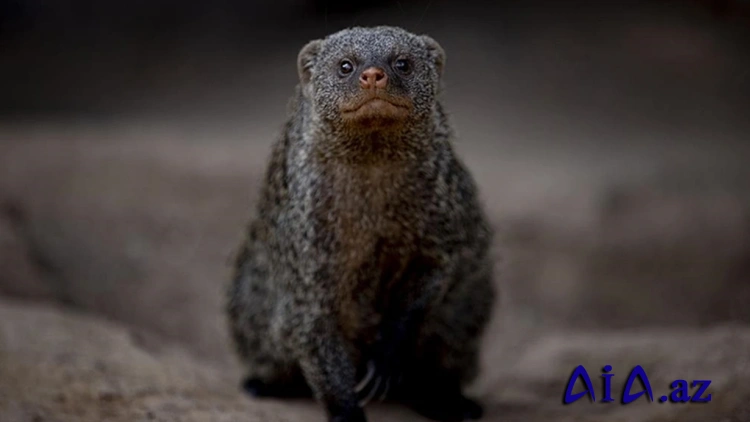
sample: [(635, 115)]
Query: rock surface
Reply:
[(57, 365)]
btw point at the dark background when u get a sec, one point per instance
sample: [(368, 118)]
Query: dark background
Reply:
[(609, 140), (78, 56)]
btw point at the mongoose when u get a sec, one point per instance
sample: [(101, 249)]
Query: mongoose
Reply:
[(366, 271)]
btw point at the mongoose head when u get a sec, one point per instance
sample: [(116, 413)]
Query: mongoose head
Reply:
[(369, 79)]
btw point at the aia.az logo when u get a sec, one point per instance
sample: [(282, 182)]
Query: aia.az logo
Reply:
[(680, 389)]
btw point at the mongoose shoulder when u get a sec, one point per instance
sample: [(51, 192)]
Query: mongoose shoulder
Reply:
[(366, 270)]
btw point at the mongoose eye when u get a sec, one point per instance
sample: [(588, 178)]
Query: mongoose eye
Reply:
[(402, 65), (346, 67)]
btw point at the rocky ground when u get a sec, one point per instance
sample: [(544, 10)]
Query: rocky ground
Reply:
[(61, 365)]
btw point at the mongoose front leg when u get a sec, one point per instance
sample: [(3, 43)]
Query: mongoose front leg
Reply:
[(388, 356), (398, 332), (329, 370)]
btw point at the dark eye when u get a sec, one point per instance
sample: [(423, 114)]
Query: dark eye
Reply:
[(346, 67), (402, 65)]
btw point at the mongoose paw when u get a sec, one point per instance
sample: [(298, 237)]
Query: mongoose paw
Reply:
[(260, 389), (448, 409)]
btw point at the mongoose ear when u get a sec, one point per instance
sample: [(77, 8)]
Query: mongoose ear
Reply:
[(436, 52), (306, 59)]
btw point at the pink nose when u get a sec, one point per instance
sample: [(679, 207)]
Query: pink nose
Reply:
[(373, 77)]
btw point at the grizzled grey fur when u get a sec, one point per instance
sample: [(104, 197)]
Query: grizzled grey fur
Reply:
[(363, 231)]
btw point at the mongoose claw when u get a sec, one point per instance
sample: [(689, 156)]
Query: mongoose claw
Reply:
[(374, 390), (376, 384), (369, 386), (370, 372)]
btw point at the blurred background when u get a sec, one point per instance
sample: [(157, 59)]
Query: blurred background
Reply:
[(609, 140)]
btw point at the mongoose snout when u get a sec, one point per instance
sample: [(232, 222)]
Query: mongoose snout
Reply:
[(375, 104)]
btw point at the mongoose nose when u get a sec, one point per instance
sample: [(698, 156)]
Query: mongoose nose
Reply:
[(373, 77)]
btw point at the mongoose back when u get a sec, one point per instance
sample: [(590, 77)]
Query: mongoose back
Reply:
[(366, 272)]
